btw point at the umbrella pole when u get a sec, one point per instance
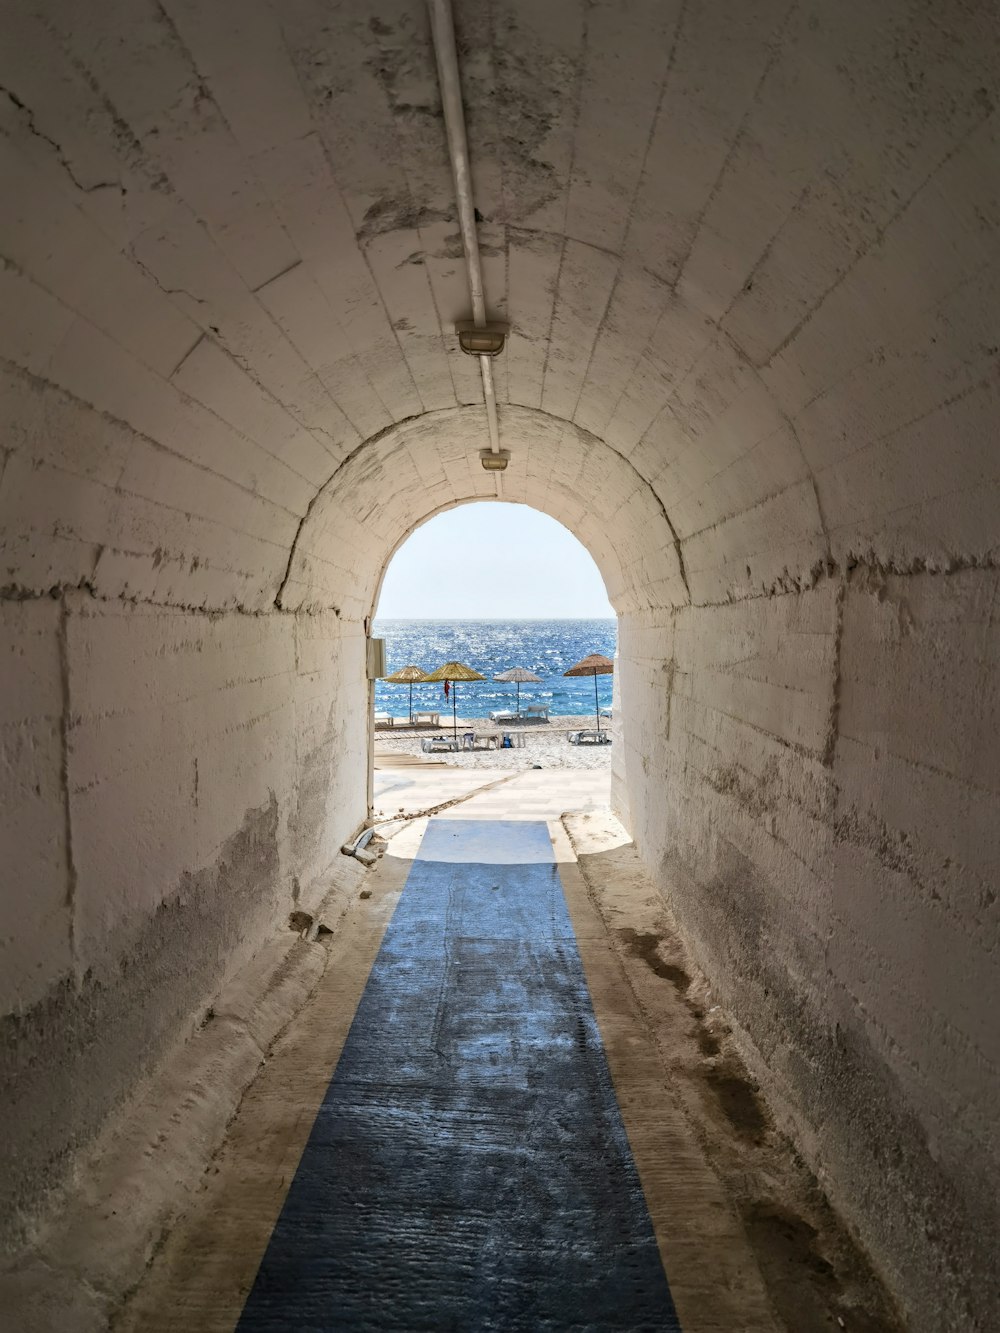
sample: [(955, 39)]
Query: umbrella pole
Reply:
[(597, 706), (454, 709), (518, 704)]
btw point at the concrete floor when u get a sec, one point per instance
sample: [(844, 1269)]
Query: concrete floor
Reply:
[(468, 1167), (508, 1104)]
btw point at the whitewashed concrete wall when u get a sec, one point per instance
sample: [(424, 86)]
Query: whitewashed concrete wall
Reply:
[(750, 253), (175, 784), (814, 779)]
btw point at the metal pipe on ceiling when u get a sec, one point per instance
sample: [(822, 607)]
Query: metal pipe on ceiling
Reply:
[(449, 81)]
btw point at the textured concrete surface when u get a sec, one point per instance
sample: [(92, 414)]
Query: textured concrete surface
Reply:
[(817, 836), (742, 1231), (468, 1165), (205, 1265), (190, 771), (147, 1166), (749, 255)]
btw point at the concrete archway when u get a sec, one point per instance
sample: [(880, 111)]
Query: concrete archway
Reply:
[(399, 479), (750, 259)]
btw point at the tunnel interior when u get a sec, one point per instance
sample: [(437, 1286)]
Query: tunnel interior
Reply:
[(749, 258)]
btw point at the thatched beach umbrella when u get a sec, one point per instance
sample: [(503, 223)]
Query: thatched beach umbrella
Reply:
[(408, 675), (595, 665), (517, 674), (453, 671)]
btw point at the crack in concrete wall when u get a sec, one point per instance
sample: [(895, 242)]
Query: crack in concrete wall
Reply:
[(29, 121), (66, 722), (830, 743)]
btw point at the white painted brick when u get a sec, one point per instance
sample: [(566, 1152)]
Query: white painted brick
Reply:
[(620, 88), (534, 268), (43, 424), (406, 292), (213, 378), (633, 314), (68, 255), (311, 324), (242, 57), (586, 281)]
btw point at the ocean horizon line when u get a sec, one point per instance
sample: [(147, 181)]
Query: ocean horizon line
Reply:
[(544, 645)]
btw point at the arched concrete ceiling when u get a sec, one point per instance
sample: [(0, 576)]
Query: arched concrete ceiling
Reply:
[(748, 250), (388, 486)]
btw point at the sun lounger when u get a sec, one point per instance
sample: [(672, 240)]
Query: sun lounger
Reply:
[(384, 720), (426, 719), (537, 710), (481, 740), (606, 712), (503, 715), (435, 744), (589, 737)]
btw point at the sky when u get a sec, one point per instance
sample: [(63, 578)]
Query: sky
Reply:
[(486, 561)]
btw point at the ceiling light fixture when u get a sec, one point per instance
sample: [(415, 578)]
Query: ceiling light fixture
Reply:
[(481, 339), (494, 462)]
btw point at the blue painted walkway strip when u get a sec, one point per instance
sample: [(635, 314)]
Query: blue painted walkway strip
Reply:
[(468, 1168)]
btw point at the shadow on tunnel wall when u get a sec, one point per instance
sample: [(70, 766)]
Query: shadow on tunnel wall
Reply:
[(192, 777), (806, 777), (71, 1059)]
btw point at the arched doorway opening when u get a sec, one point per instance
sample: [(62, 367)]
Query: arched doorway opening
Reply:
[(399, 479), (496, 586)]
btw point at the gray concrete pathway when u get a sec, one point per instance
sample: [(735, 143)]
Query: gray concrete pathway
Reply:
[(499, 1063)]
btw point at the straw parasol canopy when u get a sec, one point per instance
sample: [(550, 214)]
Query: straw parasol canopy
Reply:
[(595, 664), (408, 675), (453, 671), (518, 674)]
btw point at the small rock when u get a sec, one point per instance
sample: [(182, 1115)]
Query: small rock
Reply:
[(365, 893)]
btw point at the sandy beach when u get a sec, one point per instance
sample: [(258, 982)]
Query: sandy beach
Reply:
[(545, 744)]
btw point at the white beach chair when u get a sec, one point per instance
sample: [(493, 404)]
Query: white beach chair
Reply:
[(512, 740), (537, 710), (437, 744), (503, 715), (384, 720), (423, 717)]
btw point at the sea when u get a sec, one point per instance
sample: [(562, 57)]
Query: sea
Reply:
[(546, 647)]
